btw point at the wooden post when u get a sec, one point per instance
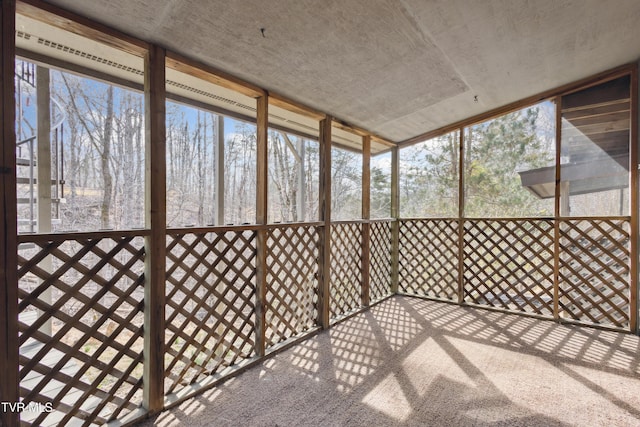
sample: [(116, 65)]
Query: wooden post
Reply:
[(633, 192), (261, 218), (155, 220), (8, 219), (395, 217), (324, 264), (461, 201), (556, 220), (366, 215)]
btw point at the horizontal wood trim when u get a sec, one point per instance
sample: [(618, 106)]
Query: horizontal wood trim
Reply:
[(210, 74), (428, 218), (533, 218), (69, 67), (213, 229), (382, 141), (85, 27), (597, 112), (502, 219), (350, 221), (594, 218), (295, 107), (525, 102), (613, 105), (600, 118), (57, 237), (381, 220), (569, 131), (342, 125), (602, 327), (273, 226), (188, 102)]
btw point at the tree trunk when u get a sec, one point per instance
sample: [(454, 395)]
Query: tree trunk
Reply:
[(105, 207)]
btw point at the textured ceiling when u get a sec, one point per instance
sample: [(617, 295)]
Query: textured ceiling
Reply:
[(398, 68)]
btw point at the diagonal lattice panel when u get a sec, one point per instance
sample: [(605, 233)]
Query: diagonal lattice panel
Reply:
[(428, 257), (380, 260), (509, 264), (210, 306), (80, 323), (292, 283), (346, 272), (594, 271)]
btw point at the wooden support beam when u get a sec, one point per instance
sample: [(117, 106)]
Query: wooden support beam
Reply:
[(295, 107), (395, 215), (633, 192), (342, 125), (366, 215), (324, 264), (68, 21), (261, 218), (461, 201), (8, 215), (210, 74), (155, 220), (556, 210)]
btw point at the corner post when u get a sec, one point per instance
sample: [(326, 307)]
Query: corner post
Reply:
[(633, 191), (324, 264), (262, 121), (461, 202), (366, 226), (557, 212), (395, 217), (155, 221), (8, 218)]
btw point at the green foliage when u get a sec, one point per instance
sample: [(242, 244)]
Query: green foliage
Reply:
[(494, 153), (380, 193), (429, 178)]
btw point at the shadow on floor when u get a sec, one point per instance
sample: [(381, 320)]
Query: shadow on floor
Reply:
[(412, 362)]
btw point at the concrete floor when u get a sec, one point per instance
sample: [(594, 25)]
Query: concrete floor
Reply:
[(414, 362)]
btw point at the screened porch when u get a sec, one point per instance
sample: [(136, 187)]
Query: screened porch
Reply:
[(170, 227)]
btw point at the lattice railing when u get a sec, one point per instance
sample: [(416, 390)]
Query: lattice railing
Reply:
[(380, 260), (509, 264), (80, 321), (210, 307), (594, 271), (428, 257), (346, 271), (81, 297), (292, 282)]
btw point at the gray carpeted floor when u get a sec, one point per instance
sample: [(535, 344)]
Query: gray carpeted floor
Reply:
[(418, 363)]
